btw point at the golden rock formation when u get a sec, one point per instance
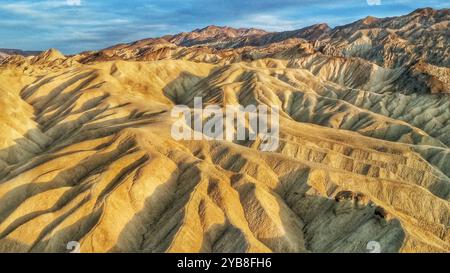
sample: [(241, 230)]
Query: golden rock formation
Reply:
[(86, 152)]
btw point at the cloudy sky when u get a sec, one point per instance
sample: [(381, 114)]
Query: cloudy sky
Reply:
[(76, 25)]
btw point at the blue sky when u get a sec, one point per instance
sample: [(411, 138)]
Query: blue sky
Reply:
[(77, 25)]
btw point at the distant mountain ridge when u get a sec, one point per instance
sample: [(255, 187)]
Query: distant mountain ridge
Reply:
[(416, 43), (9, 51), (419, 35)]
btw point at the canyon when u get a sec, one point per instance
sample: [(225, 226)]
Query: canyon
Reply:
[(87, 155)]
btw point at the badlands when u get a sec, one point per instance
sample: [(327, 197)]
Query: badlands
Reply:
[(86, 152)]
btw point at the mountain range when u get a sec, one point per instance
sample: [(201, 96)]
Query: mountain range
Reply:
[(87, 155)]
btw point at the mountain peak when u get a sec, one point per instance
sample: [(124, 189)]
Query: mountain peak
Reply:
[(323, 26), (370, 20), (52, 54), (213, 32), (425, 11), (210, 28), (49, 55), (230, 30)]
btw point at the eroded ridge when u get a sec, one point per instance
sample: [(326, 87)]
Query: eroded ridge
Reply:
[(86, 152)]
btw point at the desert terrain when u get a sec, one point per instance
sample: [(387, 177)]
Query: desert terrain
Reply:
[(86, 152)]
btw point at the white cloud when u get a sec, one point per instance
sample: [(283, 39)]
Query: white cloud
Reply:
[(19, 8), (73, 2), (39, 9), (269, 22), (373, 2)]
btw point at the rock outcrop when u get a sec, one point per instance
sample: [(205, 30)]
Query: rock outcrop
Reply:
[(87, 155)]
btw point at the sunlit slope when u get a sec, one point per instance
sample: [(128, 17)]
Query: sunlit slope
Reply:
[(87, 156)]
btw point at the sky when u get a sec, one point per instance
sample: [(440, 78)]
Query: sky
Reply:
[(73, 26)]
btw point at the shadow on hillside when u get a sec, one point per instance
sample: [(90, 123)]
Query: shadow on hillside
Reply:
[(183, 88)]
